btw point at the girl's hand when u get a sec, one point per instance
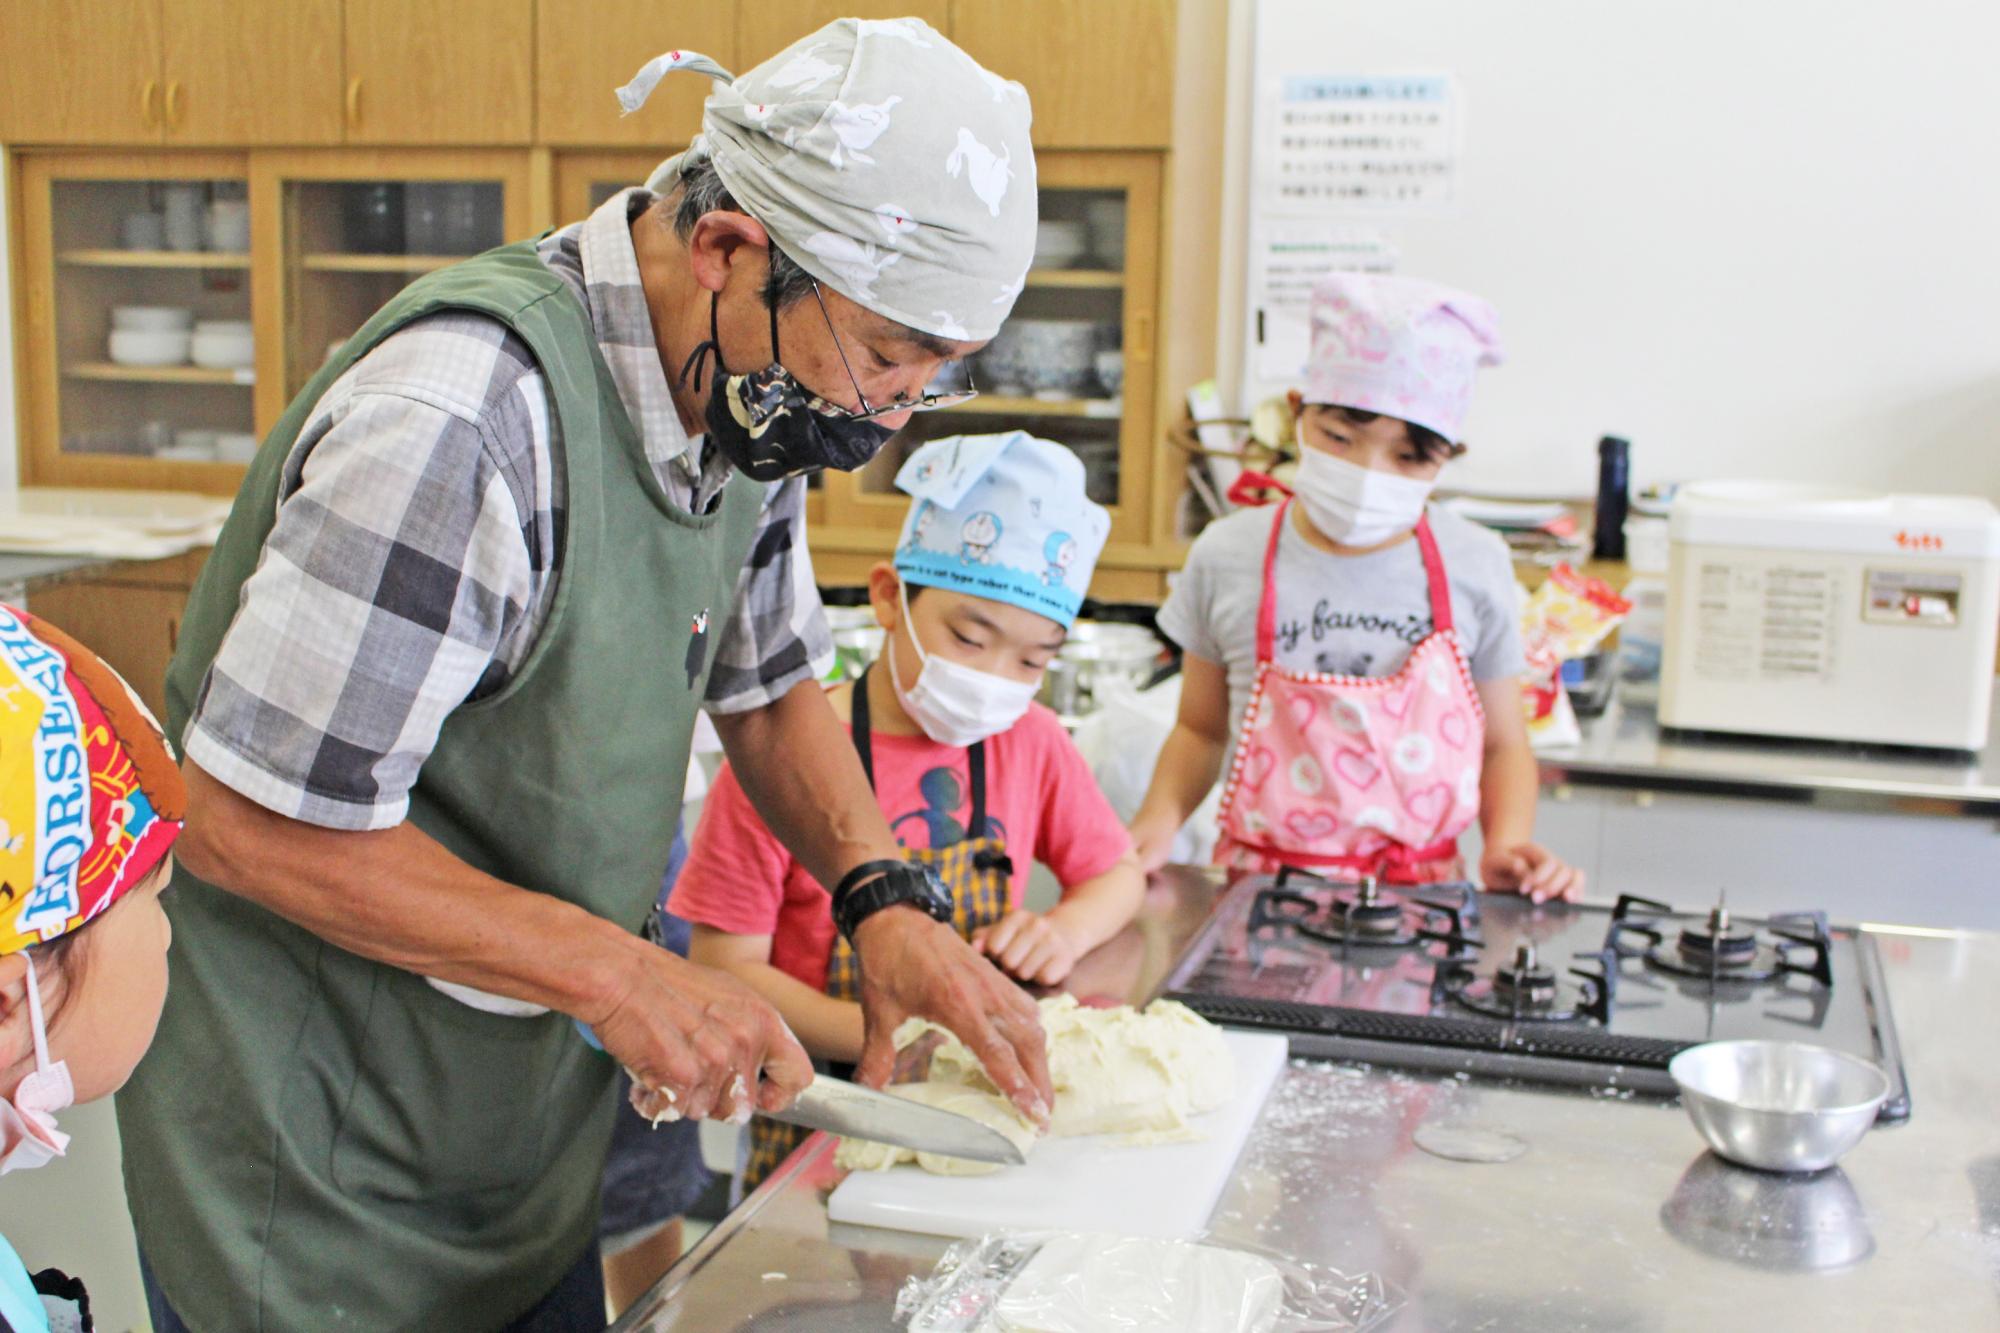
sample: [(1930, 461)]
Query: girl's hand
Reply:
[(1531, 870), (1028, 947), (1153, 843)]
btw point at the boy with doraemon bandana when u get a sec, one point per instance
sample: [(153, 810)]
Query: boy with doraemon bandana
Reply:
[(976, 779)]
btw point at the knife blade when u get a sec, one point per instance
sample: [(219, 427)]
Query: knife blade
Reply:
[(855, 1112)]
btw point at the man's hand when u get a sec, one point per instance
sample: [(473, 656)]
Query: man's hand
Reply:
[(1531, 870), (1029, 947), (914, 967), (698, 1043)]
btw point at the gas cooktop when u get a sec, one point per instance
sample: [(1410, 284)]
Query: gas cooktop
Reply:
[(1446, 977)]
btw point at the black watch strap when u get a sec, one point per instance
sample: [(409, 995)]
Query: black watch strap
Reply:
[(874, 885)]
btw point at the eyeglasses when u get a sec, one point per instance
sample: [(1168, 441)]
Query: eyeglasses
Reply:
[(930, 400)]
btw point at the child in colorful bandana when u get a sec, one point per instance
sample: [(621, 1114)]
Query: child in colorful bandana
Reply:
[(90, 803), (1352, 657), (977, 780)]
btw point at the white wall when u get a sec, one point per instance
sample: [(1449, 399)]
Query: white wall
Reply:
[(1757, 239)]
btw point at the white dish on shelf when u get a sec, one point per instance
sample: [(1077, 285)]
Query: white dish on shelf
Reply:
[(1049, 357), (149, 347), (223, 345), (152, 318), (187, 453), (235, 446), (1060, 243)]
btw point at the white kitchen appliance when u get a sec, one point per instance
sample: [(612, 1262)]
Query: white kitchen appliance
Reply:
[(1831, 614)]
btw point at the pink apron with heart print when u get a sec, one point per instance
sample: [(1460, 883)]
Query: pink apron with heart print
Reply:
[(1355, 775)]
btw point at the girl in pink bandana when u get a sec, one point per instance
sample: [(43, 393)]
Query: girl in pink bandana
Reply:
[(1351, 654), (90, 803)]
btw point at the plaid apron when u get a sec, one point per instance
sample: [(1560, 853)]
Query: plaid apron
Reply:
[(975, 871)]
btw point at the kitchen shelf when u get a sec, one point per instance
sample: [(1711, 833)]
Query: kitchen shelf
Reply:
[(993, 404), (155, 258), (344, 263), (106, 370), (1106, 279)]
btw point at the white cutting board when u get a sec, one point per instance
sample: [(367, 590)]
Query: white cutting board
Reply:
[(1087, 1184)]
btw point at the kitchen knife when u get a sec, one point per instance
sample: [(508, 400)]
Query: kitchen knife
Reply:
[(855, 1112)]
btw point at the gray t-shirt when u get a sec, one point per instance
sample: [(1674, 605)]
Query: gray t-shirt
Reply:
[(1357, 615)]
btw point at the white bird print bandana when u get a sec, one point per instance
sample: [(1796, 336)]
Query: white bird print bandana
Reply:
[(886, 161)]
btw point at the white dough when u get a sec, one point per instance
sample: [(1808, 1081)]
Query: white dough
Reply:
[(985, 1107), (1087, 1283), (1139, 1073)]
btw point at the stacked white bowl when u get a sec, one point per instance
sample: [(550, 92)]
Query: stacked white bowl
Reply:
[(223, 344), (150, 335)]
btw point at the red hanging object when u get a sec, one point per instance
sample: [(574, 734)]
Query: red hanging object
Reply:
[(1252, 488)]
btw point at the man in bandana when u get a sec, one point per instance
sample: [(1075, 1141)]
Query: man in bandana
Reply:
[(437, 684)]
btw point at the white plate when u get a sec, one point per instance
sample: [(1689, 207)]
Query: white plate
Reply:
[(1506, 513)]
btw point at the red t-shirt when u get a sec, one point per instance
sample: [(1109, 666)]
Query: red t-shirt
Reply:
[(1039, 792)]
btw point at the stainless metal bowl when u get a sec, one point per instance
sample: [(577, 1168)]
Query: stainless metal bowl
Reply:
[(1098, 652), (857, 640), (1780, 1224), (1778, 1105)]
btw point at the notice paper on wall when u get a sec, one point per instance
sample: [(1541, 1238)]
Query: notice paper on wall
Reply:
[(1341, 144), (1290, 256)]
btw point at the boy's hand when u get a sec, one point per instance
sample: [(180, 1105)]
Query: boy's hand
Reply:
[(1531, 870), (1029, 947)]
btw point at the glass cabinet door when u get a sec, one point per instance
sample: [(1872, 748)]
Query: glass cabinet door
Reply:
[(140, 356), (1073, 363), (358, 228)]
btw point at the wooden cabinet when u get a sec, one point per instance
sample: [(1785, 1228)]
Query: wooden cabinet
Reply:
[(81, 71), (1100, 72), (248, 74), (440, 72), (766, 27), (585, 50), (92, 418), (1075, 364), (343, 230), (131, 617)]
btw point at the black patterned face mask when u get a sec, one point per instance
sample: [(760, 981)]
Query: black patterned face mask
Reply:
[(769, 426)]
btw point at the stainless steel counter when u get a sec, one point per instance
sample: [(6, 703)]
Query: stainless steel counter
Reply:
[(1625, 748), (1615, 1217), (19, 573)]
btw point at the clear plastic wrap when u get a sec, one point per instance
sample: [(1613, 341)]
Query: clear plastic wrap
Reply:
[(1072, 1282)]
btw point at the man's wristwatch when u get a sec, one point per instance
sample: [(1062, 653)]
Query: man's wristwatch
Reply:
[(874, 885)]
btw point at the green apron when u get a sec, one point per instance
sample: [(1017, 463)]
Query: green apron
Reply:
[(319, 1141)]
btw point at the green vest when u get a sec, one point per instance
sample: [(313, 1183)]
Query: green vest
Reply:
[(319, 1141)]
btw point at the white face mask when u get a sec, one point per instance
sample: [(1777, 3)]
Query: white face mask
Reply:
[(956, 705), (1354, 505), (28, 1133)]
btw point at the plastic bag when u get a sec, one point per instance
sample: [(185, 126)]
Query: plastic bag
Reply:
[(1073, 1282), (1567, 616), (1121, 742)]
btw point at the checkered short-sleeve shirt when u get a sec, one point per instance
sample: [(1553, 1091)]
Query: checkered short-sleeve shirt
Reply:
[(416, 552)]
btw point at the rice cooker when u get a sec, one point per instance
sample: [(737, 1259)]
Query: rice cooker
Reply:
[(1831, 614)]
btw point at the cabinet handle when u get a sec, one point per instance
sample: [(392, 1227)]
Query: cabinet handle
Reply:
[(354, 100), (174, 104), (149, 92), (1139, 341)]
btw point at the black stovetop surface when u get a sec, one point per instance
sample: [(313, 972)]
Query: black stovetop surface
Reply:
[(1272, 957)]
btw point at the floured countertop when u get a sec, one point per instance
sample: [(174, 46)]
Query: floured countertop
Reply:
[(107, 524)]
